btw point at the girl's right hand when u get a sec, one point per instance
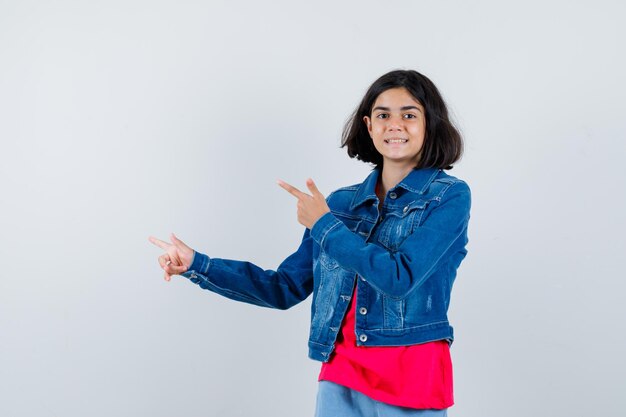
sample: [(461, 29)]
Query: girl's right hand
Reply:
[(178, 256)]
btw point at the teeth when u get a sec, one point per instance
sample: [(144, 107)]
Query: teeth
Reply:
[(396, 140)]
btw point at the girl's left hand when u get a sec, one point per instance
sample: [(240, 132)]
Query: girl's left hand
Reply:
[(310, 207)]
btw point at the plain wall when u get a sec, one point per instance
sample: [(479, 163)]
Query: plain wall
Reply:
[(124, 119)]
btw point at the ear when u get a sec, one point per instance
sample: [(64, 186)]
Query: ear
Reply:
[(368, 123)]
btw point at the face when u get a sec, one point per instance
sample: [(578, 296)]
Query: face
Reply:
[(397, 126)]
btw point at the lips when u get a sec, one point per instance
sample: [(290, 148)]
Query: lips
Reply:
[(396, 140)]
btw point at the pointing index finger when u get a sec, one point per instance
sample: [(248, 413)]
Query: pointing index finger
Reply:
[(159, 243), (291, 189)]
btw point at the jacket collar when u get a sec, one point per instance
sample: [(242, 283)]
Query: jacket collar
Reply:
[(417, 181)]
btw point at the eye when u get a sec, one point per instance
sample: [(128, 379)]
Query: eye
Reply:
[(409, 116), (382, 116)]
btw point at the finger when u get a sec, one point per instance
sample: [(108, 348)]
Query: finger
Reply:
[(170, 268), (159, 243), (291, 189), (312, 187), (177, 270), (162, 262), (165, 261)]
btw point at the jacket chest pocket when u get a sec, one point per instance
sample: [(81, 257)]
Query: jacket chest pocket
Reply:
[(400, 223)]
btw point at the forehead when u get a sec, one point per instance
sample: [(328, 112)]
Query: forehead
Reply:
[(396, 97)]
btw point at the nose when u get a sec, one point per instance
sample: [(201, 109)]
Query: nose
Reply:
[(394, 123)]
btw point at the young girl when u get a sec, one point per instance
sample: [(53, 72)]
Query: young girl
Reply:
[(379, 257)]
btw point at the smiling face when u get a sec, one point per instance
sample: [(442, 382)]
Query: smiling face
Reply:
[(397, 126)]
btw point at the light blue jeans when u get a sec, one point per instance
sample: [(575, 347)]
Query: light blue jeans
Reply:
[(335, 400)]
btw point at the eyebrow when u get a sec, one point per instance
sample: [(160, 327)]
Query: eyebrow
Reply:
[(401, 108)]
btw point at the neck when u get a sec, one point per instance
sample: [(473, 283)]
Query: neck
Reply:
[(392, 174)]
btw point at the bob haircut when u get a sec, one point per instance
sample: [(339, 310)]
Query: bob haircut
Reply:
[(443, 144)]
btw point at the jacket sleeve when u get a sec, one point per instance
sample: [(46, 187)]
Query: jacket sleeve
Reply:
[(291, 283), (398, 273)]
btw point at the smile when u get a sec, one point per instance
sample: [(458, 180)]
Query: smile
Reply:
[(396, 140)]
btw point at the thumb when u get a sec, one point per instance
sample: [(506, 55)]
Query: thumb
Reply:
[(176, 241), (312, 187)]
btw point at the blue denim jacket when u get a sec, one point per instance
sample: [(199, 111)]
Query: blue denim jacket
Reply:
[(403, 262)]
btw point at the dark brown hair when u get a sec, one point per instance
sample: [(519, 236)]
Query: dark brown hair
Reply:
[(443, 144)]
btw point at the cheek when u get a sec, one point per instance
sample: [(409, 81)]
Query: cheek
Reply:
[(419, 130), (378, 129)]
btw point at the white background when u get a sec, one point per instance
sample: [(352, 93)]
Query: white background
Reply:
[(124, 119)]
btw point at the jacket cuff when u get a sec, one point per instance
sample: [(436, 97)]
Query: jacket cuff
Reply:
[(199, 264), (322, 226)]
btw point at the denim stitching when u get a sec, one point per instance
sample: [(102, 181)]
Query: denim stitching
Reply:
[(325, 233), (391, 329)]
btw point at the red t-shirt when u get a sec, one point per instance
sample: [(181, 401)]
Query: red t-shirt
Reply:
[(416, 376)]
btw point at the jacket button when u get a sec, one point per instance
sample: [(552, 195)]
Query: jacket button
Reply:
[(404, 210), (362, 279), (363, 338), (393, 196), (363, 310)]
